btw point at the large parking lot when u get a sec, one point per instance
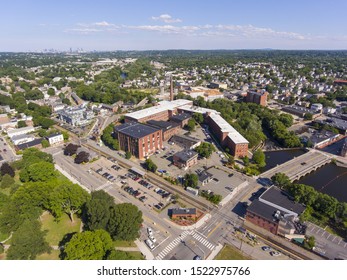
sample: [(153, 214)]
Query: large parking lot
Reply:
[(130, 183), (224, 182)]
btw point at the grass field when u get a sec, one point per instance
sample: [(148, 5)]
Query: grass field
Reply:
[(57, 230), (54, 255), (230, 253), (123, 243), (136, 255)]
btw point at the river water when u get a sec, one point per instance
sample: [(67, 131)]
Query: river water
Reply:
[(329, 179), (274, 158)]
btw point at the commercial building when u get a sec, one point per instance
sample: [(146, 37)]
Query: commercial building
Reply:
[(181, 119), (217, 85), (257, 97), (32, 144), (185, 159), (339, 124), (76, 116), (139, 139), (183, 213), (205, 177), (168, 128), (185, 142), (21, 139), (300, 111), (166, 110), (162, 112), (321, 139), (278, 213), (228, 136), (317, 107), (55, 139), (20, 131)]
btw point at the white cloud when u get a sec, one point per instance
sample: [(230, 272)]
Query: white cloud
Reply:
[(104, 24), (167, 18), (258, 32), (83, 30)]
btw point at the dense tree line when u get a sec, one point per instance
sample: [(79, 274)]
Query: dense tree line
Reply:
[(251, 120)]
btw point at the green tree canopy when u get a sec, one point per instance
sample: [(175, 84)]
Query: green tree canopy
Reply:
[(191, 180), (41, 171), (68, 199), (7, 181), (97, 210), (281, 180), (150, 165), (191, 125), (205, 149), (125, 222), (259, 158), (28, 241), (88, 245), (198, 117), (21, 124)]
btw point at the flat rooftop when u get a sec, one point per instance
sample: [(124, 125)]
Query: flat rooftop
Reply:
[(279, 198), (263, 210), (161, 107), (183, 211), (136, 130), (163, 124), (224, 126), (186, 155), (196, 109)]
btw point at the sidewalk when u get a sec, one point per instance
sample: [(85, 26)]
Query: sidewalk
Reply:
[(144, 250)]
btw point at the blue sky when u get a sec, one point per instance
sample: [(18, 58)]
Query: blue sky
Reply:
[(172, 24)]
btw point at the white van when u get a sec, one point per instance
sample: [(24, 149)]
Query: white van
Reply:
[(149, 243)]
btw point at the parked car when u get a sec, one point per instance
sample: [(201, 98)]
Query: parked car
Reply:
[(149, 231), (149, 243), (266, 248), (151, 237), (275, 253)]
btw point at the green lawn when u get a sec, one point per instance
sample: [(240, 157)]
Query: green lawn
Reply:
[(57, 230), (123, 243), (230, 253), (3, 236), (136, 255), (54, 255)]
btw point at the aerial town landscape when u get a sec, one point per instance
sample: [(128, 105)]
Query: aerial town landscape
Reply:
[(173, 154)]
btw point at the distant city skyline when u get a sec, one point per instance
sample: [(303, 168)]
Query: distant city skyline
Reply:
[(172, 24)]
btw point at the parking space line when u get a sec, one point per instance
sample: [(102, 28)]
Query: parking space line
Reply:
[(323, 233), (334, 238), (318, 230), (344, 246)]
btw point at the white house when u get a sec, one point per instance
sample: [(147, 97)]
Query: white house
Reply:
[(20, 131), (55, 139), (21, 139)]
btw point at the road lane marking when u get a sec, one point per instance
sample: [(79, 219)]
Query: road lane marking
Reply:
[(217, 226)]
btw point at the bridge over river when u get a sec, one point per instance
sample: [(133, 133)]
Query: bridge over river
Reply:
[(301, 165)]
